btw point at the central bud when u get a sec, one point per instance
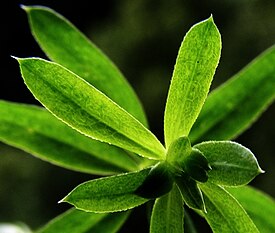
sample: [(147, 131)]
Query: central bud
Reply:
[(183, 158)]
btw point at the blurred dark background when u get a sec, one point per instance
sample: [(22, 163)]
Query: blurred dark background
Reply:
[(142, 38)]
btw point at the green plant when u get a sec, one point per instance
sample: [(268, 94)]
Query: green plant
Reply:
[(93, 123)]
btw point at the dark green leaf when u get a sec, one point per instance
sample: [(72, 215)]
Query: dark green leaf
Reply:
[(66, 45), (158, 182), (223, 212), (168, 213), (38, 132), (76, 221), (86, 109), (109, 194), (232, 164), (190, 192), (196, 63), (259, 206), (232, 108)]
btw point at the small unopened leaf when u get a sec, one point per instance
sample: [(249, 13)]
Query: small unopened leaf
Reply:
[(35, 130), (232, 164), (259, 206), (196, 63), (223, 212), (109, 194), (76, 221), (66, 45), (86, 109), (233, 107), (190, 192), (168, 213)]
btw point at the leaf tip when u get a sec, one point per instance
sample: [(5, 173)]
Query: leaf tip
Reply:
[(24, 7)]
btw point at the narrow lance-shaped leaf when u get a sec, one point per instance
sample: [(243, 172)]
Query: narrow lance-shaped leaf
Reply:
[(86, 109), (76, 221), (66, 45), (196, 63), (109, 194), (232, 164), (233, 107), (168, 213), (259, 206), (223, 212), (190, 192), (38, 132)]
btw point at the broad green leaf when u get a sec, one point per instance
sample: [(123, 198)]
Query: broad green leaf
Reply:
[(168, 213), (66, 45), (195, 66), (76, 221), (232, 164), (109, 194), (223, 212), (190, 192), (233, 107), (38, 132), (259, 206), (86, 109)]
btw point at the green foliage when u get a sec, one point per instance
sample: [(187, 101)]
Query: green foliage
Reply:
[(109, 194), (76, 221), (168, 213), (66, 45), (236, 165), (259, 206), (86, 109), (196, 63), (224, 213), (94, 123)]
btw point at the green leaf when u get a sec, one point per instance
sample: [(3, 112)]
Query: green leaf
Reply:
[(66, 45), (223, 212), (109, 194), (259, 206), (86, 109), (196, 63), (76, 221), (190, 192), (35, 130), (168, 213), (158, 182), (232, 164), (233, 107)]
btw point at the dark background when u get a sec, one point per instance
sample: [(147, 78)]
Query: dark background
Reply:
[(142, 38)]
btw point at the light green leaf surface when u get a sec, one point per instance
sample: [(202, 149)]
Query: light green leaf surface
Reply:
[(168, 213), (232, 164), (233, 107), (259, 206), (35, 130), (224, 214), (109, 194), (76, 221), (66, 45), (86, 109), (195, 66)]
